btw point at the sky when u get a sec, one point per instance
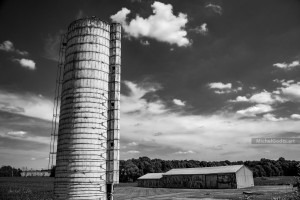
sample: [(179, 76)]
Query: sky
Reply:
[(199, 78)]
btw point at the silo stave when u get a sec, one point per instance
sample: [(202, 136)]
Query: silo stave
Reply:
[(113, 130), (82, 136)]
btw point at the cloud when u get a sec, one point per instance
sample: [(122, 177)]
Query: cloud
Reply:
[(287, 65), (23, 136), (178, 102), (217, 147), (223, 88), (133, 152), (27, 104), (254, 110), (184, 152), (135, 101), (132, 144), (240, 99), (295, 116), (192, 132), (201, 29), (8, 46), (271, 117), (16, 133), (291, 92), (120, 16), (216, 8), (29, 64), (157, 134), (51, 46), (220, 85), (263, 97), (162, 25)]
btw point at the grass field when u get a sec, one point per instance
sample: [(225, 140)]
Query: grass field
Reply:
[(39, 188)]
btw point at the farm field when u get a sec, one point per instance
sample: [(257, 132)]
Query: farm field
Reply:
[(41, 188)]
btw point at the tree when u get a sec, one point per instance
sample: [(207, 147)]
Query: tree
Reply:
[(8, 171)]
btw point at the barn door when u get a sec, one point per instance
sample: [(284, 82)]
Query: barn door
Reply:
[(211, 181)]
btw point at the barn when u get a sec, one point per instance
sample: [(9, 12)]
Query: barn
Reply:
[(221, 177), (30, 173), (150, 180)]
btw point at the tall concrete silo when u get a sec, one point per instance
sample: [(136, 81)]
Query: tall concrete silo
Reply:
[(87, 160)]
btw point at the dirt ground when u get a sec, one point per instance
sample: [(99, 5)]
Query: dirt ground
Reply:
[(41, 188)]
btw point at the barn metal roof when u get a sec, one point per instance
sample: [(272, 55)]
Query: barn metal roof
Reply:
[(205, 170), (152, 176)]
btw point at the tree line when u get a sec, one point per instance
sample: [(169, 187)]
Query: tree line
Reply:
[(8, 171), (132, 169)]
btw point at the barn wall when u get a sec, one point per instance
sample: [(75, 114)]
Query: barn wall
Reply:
[(227, 181), (211, 181), (151, 183), (35, 173), (200, 181), (184, 181), (244, 178)]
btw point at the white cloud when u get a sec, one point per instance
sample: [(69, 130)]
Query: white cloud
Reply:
[(254, 110), (24, 136), (16, 133), (133, 152), (219, 85), (163, 25), (291, 92), (287, 65), (201, 29), (193, 132), (29, 64), (184, 152), (178, 102), (240, 99), (295, 116), (262, 98), (271, 117), (8, 46), (120, 16), (239, 88), (135, 101), (132, 144), (26, 104), (223, 88), (216, 8)]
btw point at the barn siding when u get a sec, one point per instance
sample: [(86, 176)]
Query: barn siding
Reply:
[(227, 181), (244, 178), (35, 173), (200, 181), (184, 181), (151, 183)]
